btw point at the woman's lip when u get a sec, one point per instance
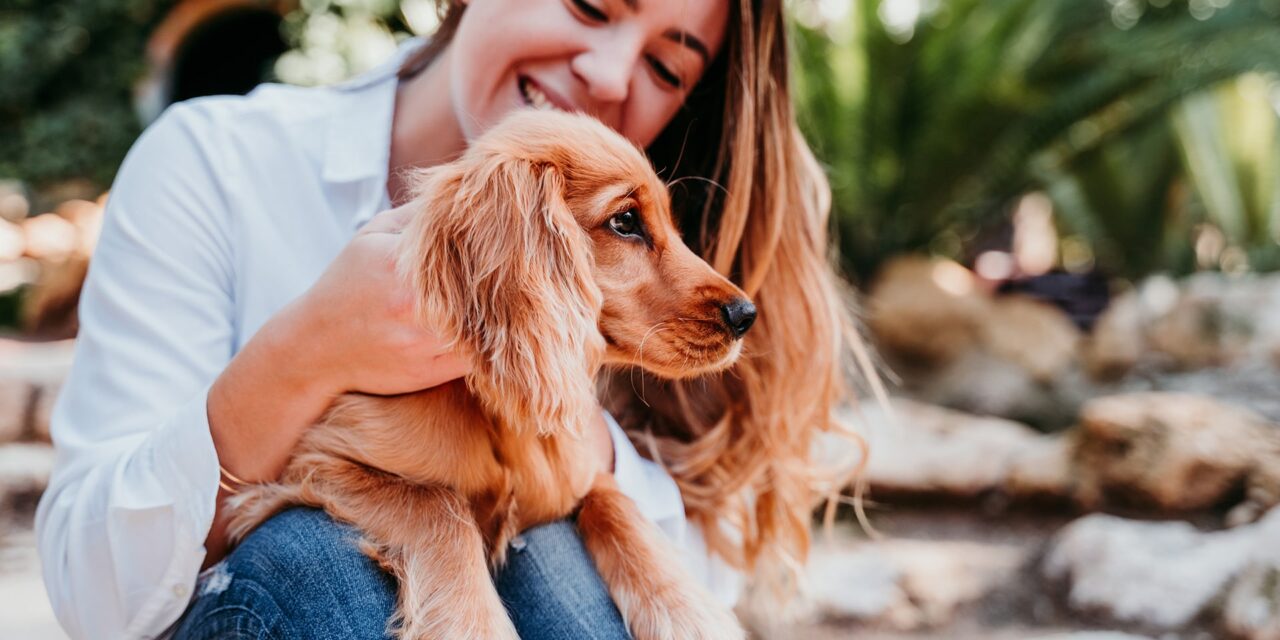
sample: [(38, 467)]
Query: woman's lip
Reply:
[(554, 98)]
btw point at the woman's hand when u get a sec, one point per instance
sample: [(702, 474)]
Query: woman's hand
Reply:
[(353, 330), (356, 326)]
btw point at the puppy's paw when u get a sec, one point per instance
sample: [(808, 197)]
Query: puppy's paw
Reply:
[(453, 614), (680, 614)]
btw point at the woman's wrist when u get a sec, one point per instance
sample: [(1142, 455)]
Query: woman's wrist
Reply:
[(262, 403)]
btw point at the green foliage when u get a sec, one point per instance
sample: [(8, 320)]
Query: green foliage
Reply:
[(932, 126), (67, 69)]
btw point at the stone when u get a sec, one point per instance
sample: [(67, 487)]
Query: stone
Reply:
[(1118, 340), (50, 309), (1157, 574), (1174, 452), (31, 373), (15, 403), (1044, 470), (1038, 337), (24, 469), (1252, 607), (905, 584), (925, 449), (925, 312), (50, 237), (1092, 635), (42, 411), (13, 242)]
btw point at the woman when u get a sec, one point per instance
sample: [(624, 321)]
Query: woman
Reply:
[(192, 371)]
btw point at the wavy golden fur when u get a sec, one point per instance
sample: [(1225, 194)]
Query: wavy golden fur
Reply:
[(545, 253), (752, 200)]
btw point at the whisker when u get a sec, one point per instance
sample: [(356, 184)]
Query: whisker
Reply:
[(640, 351), (673, 183)]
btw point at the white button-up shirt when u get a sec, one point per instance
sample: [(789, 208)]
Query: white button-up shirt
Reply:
[(225, 209)]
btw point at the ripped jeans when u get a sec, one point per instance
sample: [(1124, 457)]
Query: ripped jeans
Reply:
[(299, 576)]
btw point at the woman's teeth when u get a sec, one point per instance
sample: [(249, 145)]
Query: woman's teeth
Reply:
[(535, 96)]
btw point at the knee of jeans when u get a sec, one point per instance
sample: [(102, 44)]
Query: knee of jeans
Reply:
[(296, 542), (303, 550), (310, 569), (555, 536)]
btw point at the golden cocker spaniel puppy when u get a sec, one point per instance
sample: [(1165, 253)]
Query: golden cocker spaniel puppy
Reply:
[(547, 251)]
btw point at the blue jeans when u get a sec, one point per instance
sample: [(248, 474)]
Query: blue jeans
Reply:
[(299, 576)]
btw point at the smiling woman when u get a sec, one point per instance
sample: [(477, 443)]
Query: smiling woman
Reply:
[(194, 371)]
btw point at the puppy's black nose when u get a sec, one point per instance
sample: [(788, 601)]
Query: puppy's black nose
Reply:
[(738, 314)]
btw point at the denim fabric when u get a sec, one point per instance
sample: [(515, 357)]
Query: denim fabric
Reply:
[(300, 577)]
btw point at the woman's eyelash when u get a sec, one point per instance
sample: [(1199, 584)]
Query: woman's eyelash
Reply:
[(590, 11), (666, 75)]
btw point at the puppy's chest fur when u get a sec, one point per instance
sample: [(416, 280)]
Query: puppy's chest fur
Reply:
[(513, 479)]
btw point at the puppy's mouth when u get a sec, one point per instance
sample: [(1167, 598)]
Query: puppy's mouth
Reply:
[(534, 96), (673, 359)]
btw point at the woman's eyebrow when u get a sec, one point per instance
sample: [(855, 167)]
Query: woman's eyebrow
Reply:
[(689, 40)]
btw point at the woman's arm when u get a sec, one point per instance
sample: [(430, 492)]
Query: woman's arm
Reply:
[(154, 398), (122, 524)]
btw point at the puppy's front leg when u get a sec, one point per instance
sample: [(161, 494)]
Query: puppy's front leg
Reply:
[(426, 536), (658, 599)]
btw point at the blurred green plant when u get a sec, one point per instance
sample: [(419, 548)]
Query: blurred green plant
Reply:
[(933, 115), (67, 68)]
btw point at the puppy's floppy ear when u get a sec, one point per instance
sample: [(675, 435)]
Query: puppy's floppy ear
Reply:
[(503, 268)]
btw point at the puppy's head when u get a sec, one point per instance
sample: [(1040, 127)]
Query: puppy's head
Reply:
[(548, 250)]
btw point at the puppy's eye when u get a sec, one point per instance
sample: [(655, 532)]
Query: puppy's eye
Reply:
[(626, 223)]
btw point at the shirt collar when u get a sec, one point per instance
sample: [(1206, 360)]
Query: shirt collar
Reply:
[(358, 138)]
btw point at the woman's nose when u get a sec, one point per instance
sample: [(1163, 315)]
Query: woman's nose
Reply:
[(606, 70)]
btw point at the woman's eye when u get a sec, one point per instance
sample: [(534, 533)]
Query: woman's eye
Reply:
[(665, 74), (626, 223), (591, 11)]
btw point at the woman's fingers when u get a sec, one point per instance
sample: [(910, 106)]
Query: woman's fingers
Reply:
[(391, 220), (448, 366)]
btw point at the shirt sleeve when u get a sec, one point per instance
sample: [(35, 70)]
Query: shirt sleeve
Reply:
[(122, 525), (658, 498)]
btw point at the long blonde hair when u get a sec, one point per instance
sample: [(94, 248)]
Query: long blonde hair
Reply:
[(753, 201)]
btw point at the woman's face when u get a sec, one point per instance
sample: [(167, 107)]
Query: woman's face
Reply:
[(629, 63)]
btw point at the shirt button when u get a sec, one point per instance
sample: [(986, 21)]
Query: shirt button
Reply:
[(180, 590)]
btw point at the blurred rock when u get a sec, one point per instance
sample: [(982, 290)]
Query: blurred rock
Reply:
[(1118, 340), (50, 237), (936, 327), (1252, 607), (1092, 635), (15, 403), (1039, 338), (71, 233), (31, 373), (42, 411), (24, 470), (17, 273), (1157, 574), (927, 449), (905, 584), (50, 307), (1175, 452), (13, 242), (925, 312), (1046, 469), (1206, 320)]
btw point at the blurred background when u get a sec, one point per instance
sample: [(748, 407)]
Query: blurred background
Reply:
[(1063, 218)]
